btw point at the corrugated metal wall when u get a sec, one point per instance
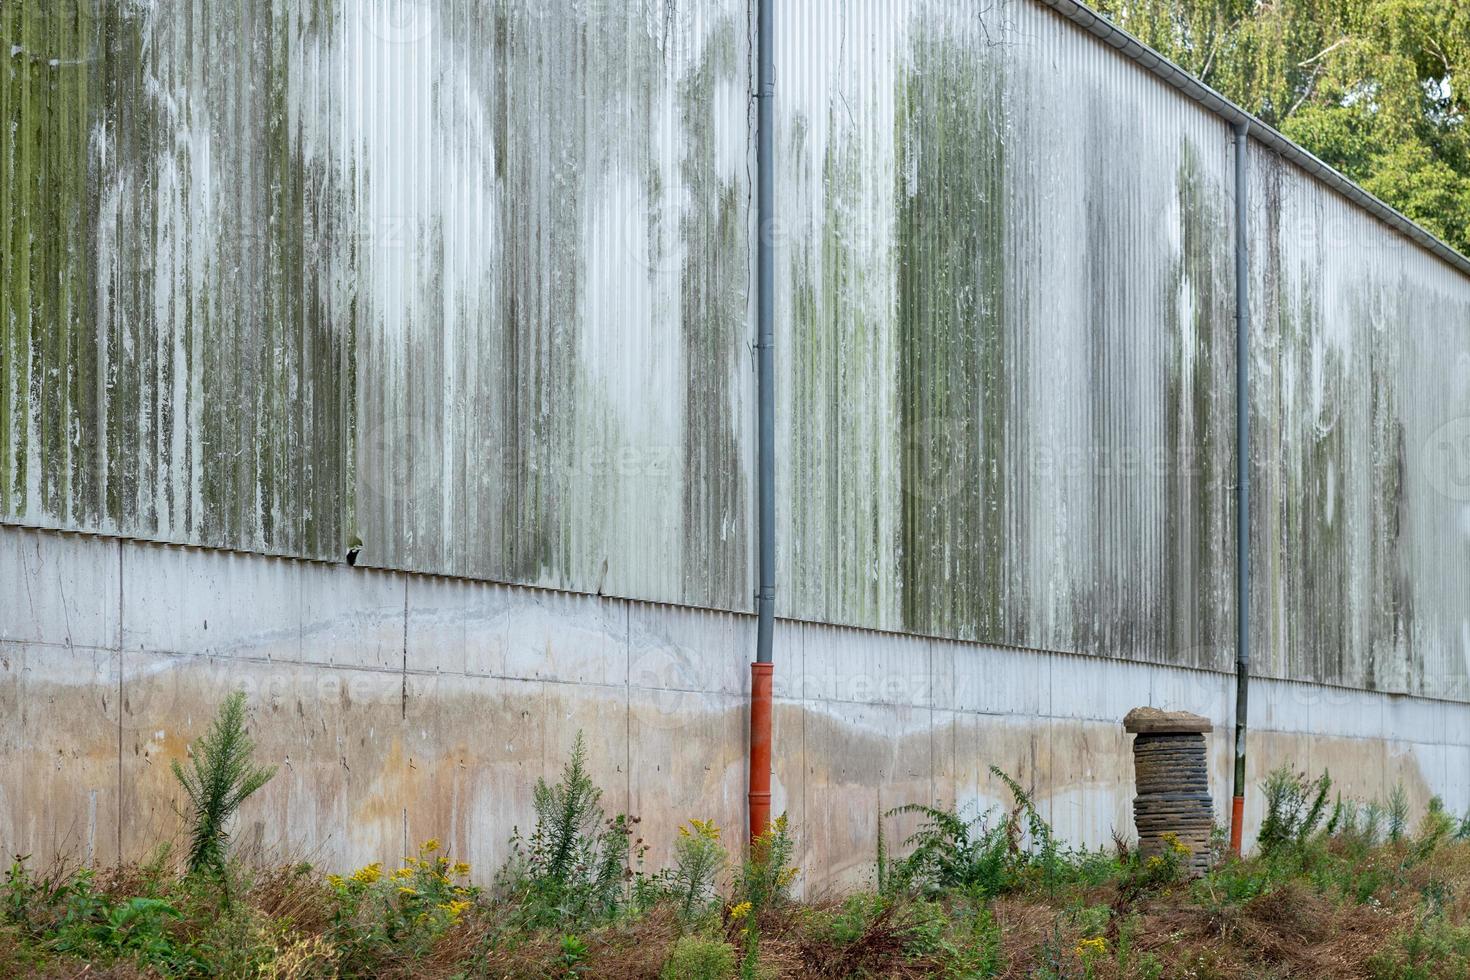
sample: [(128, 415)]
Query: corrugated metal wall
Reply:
[(179, 291), (1362, 452), (467, 277), (472, 278), (1007, 355)]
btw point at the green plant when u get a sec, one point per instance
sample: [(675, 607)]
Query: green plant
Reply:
[(693, 958), (21, 892), (1436, 828), (1434, 948), (135, 927), (403, 912), (1398, 813), (1295, 806), (573, 955), (698, 860), (1142, 874), (950, 852), (849, 922), (766, 875), (221, 778), (576, 866), (1462, 827), (765, 880), (882, 875)]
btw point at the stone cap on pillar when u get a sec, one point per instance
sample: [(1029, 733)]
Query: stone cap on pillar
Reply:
[(1156, 721)]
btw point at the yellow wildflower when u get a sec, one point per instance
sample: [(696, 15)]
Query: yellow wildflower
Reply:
[(335, 881), (431, 845), (740, 911), (787, 876), (707, 829), (402, 873), (461, 868), (455, 909), (1176, 845), (405, 890), (369, 874), (1092, 947)]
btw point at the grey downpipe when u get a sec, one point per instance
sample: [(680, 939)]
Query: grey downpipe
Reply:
[(1242, 481), (761, 741), (766, 314)]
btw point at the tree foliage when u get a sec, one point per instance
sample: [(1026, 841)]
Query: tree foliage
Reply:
[(1380, 89)]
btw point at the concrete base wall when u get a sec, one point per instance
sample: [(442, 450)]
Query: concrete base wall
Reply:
[(404, 707)]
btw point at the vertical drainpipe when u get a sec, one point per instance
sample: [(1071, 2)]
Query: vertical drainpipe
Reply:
[(1242, 485), (761, 671)]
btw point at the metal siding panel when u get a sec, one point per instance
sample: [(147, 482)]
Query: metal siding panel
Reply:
[(473, 279), (467, 278), (1040, 298), (1361, 350)]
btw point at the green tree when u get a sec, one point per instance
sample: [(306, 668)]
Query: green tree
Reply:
[(1380, 89)]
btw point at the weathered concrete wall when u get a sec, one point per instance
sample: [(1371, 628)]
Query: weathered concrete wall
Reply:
[(400, 707)]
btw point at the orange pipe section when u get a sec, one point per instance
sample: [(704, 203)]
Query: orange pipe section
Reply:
[(760, 748), (1237, 822)]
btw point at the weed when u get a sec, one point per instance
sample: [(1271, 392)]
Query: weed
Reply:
[(573, 955), (951, 852), (136, 927), (765, 881), (698, 860), (767, 875), (576, 865), (693, 958), (222, 777), (1398, 813), (1295, 806)]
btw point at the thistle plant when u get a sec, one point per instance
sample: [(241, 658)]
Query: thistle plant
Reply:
[(221, 778)]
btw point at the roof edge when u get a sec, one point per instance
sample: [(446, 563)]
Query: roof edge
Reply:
[(1146, 57)]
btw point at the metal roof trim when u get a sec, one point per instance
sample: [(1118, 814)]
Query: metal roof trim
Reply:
[(1146, 57)]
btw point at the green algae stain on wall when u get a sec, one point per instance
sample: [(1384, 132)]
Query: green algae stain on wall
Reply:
[(161, 303), (843, 370), (48, 398), (713, 283), (1199, 420), (952, 344)]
